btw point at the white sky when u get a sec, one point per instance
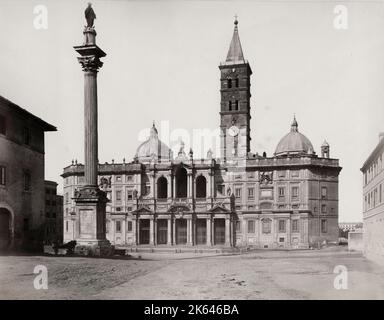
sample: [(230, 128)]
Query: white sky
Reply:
[(162, 64)]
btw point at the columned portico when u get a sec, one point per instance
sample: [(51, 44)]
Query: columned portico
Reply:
[(189, 230)]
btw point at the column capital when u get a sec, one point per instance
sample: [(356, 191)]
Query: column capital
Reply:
[(90, 63)]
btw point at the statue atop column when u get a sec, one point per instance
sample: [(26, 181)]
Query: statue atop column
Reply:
[(90, 15), (89, 30)]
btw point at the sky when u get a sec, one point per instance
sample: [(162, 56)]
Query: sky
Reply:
[(162, 65)]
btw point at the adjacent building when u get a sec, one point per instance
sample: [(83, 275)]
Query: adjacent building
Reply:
[(53, 214), (373, 203), (22, 191), (237, 198)]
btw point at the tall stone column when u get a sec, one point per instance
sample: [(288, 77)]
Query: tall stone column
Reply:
[(90, 200)]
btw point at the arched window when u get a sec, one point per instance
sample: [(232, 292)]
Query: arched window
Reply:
[(201, 187), (181, 183), (162, 188)]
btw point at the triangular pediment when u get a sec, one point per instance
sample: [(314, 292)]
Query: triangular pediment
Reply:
[(143, 209), (219, 209)]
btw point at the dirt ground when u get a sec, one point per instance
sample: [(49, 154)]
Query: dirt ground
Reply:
[(254, 275)]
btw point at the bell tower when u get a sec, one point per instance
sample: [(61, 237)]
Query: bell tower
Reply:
[(235, 108)]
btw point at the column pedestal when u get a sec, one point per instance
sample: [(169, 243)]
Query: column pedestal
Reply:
[(90, 208)]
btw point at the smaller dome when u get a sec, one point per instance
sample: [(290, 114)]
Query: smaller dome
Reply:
[(153, 149), (294, 142)]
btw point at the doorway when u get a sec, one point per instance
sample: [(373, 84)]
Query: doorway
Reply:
[(144, 231), (181, 231), (5, 228), (219, 231), (201, 231), (162, 231)]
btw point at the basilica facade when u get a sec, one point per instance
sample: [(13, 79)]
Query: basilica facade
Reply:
[(237, 198)]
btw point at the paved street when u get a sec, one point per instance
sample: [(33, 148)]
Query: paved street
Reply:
[(254, 275)]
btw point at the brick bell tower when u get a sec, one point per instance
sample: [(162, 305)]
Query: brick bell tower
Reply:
[(235, 102)]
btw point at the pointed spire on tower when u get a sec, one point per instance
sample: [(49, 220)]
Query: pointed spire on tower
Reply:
[(235, 52)]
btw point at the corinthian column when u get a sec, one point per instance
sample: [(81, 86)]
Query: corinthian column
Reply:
[(90, 200)]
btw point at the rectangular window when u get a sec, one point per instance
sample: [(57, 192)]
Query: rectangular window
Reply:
[(281, 173), (118, 226), (251, 193), (129, 226), (323, 192), (281, 225), (238, 226), (2, 175), (130, 195), (295, 192), (230, 105), (295, 225), (118, 178), (66, 197), (323, 226), (66, 226), (129, 178), (118, 195), (323, 208), (27, 180), (147, 190), (251, 226), (3, 125), (237, 105), (26, 136), (229, 83), (281, 239), (220, 188), (281, 192), (380, 193), (238, 192), (129, 209), (237, 82)]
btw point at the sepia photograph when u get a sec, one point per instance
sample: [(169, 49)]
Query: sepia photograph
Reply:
[(194, 151)]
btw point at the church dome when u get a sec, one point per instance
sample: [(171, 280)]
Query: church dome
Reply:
[(294, 142), (153, 149)]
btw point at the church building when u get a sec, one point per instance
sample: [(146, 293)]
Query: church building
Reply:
[(237, 198)]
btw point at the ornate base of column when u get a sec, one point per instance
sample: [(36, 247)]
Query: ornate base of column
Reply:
[(90, 209)]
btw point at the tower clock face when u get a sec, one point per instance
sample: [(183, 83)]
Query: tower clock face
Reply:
[(233, 131)]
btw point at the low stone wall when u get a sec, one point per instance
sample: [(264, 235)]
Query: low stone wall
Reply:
[(355, 241)]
